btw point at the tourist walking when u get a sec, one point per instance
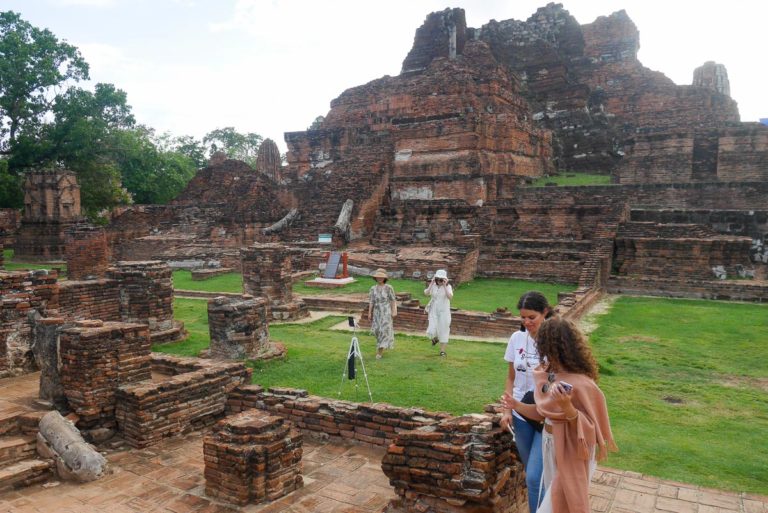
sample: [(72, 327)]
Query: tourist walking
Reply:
[(522, 357), (382, 308), (577, 431), (439, 309)]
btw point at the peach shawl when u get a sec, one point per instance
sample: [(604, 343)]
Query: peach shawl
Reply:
[(575, 440)]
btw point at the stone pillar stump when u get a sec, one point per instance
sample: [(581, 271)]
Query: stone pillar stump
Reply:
[(252, 457)]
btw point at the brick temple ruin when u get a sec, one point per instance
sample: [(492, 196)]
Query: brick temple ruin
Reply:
[(431, 168), (434, 166)]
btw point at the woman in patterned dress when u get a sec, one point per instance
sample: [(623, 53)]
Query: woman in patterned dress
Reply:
[(382, 308)]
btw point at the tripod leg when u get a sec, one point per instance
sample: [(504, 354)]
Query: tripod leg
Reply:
[(362, 366), (351, 352)]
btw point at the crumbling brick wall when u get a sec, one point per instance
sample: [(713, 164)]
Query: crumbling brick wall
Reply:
[(10, 220), (193, 395), (22, 293), (728, 154), (90, 299), (376, 424), (459, 464)]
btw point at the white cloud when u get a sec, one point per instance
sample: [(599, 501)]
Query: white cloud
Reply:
[(86, 3)]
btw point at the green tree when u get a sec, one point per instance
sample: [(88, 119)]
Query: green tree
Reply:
[(190, 147), (46, 121), (10, 188), (152, 170), (235, 145), (32, 62), (317, 123), (84, 137)]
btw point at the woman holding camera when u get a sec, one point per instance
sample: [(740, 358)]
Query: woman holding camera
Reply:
[(522, 356), (577, 431), (382, 309), (439, 309)]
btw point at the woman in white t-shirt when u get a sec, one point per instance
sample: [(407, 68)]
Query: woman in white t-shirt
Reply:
[(522, 356)]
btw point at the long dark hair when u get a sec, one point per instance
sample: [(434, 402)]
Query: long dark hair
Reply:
[(564, 346), (536, 301)]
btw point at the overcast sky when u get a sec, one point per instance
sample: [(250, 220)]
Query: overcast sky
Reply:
[(273, 66)]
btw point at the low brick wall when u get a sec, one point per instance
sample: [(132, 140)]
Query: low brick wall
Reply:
[(726, 290), (573, 305), (376, 424), (347, 304), (204, 274), (203, 294), (681, 259), (193, 396), (475, 324)]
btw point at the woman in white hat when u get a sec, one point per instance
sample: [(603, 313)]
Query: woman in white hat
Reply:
[(439, 309), (382, 308)]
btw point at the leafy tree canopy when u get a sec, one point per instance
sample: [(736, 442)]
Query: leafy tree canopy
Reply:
[(32, 62), (235, 145)]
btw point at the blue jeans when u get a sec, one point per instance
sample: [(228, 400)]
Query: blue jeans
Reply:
[(528, 442)]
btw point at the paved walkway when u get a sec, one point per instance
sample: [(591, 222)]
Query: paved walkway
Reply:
[(339, 477)]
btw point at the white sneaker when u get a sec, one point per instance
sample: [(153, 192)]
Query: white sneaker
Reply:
[(378, 357)]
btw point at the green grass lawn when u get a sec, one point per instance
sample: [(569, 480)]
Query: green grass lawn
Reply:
[(572, 179), (12, 265), (687, 388), (686, 381), (230, 282), (481, 294), (411, 375)]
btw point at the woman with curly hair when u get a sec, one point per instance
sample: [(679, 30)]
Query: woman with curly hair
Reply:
[(577, 431)]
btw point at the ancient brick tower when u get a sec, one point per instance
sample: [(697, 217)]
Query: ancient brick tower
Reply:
[(51, 206)]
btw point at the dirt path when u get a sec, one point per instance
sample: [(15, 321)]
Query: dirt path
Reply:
[(589, 322)]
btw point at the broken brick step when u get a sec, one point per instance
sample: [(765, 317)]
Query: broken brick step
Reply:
[(25, 473), (9, 422), (17, 447)]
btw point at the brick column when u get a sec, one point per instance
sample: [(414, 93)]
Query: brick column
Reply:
[(96, 358), (87, 252), (267, 273), (461, 464), (252, 457), (239, 327), (146, 293)]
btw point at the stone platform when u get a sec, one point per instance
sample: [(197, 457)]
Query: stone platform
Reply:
[(339, 477)]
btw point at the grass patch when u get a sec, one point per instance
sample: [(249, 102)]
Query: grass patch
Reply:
[(230, 282), (194, 314), (411, 375), (12, 265), (481, 294), (686, 381), (681, 389), (571, 179)]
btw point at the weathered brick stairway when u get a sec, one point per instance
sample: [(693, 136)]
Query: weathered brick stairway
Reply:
[(19, 463)]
